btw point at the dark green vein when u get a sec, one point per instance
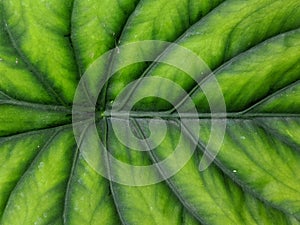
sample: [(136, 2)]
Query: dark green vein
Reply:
[(224, 65), (35, 71), (109, 68), (274, 133), (67, 192), (168, 49), (43, 148), (226, 50), (47, 108), (155, 159), (204, 79), (266, 98), (34, 131), (228, 173), (108, 170)]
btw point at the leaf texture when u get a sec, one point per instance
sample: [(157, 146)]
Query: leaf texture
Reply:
[(252, 50)]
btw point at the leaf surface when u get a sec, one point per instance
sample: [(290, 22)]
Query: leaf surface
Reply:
[(251, 47)]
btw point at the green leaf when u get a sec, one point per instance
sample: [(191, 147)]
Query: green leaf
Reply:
[(89, 198), (43, 42), (51, 175), (38, 197)]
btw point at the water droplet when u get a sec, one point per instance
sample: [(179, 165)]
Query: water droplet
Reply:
[(234, 171)]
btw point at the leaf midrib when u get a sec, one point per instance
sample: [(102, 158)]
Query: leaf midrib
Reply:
[(164, 115)]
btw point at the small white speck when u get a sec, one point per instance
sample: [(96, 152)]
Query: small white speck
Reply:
[(38, 221), (234, 171), (92, 55), (17, 60), (1, 59), (243, 137), (38, 146), (41, 165)]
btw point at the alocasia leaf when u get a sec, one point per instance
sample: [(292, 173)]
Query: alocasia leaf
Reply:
[(253, 49)]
